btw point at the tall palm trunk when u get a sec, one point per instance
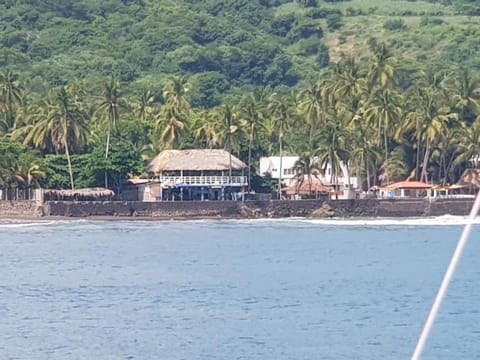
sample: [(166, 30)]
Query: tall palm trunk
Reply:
[(280, 143), (423, 177), (386, 152), (106, 154), (368, 173), (67, 153), (250, 163), (230, 165), (417, 160)]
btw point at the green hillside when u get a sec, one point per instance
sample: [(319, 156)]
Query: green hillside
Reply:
[(91, 90), (224, 44)]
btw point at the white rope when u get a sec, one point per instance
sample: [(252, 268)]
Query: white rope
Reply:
[(447, 279)]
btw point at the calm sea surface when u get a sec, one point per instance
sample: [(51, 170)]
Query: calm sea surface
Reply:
[(274, 290)]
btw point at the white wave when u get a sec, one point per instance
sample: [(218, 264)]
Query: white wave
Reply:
[(444, 220), (14, 224)]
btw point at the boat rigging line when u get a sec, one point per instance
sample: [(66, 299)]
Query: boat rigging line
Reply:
[(447, 279)]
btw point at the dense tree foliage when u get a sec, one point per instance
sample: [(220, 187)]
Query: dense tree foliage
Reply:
[(90, 91)]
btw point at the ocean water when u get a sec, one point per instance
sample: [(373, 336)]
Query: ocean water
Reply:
[(267, 289)]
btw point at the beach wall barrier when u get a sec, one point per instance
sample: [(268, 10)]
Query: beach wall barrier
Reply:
[(20, 208), (258, 209)]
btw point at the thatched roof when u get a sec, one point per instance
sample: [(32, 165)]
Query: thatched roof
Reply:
[(79, 194), (194, 160)]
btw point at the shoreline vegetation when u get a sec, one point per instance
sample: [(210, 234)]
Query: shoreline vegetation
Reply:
[(89, 93)]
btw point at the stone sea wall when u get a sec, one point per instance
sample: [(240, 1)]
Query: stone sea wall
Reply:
[(20, 209), (258, 209)]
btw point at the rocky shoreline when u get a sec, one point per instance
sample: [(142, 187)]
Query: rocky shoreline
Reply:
[(236, 210)]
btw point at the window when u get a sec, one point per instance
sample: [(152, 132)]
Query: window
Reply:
[(288, 171)]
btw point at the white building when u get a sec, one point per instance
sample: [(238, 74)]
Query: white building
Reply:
[(271, 165)]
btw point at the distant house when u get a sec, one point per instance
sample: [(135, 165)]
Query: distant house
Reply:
[(271, 165), (405, 189), (194, 175), (307, 187)]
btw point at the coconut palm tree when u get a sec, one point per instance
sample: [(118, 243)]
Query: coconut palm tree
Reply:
[(311, 105), (172, 124), (351, 82), (109, 111), (465, 87), (363, 152), (61, 125), (469, 144), (395, 167), (175, 94), (306, 166), (251, 114), (29, 171), (11, 96), (230, 132), (143, 105), (435, 118), (205, 127), (282, 112), (382, 70), (383, 112), (333, 147)]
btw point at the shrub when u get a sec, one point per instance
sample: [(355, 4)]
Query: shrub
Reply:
[(334, 22), (395, 25), (430, 21)]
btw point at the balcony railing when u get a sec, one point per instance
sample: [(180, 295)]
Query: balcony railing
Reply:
[(204, 180)]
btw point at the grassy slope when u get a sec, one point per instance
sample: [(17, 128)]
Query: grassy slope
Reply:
[(415, 43)]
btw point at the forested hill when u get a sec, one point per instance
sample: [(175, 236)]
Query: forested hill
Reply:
[(225, 46)]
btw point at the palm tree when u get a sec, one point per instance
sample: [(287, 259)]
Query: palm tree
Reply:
[(447, 150), (175, 94), (351, 81), (251, 114), (312, 104), (382, 71), (143, 106), (333, 145), (383, 112), (29, 171), (62, 125), (282, 112), (11, 96), (172, 124), (469, 144), (364, 152), (306, 166), (435, 118), (206, 128), (109, 110), (465, 87), (230, 132), (395, 168)]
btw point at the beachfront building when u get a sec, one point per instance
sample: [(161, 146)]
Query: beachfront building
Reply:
[(196, 174), (307, 187), (271, 165), (405, 189)]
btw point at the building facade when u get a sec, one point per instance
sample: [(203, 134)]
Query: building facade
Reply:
[(196, 174), (271, 165)]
